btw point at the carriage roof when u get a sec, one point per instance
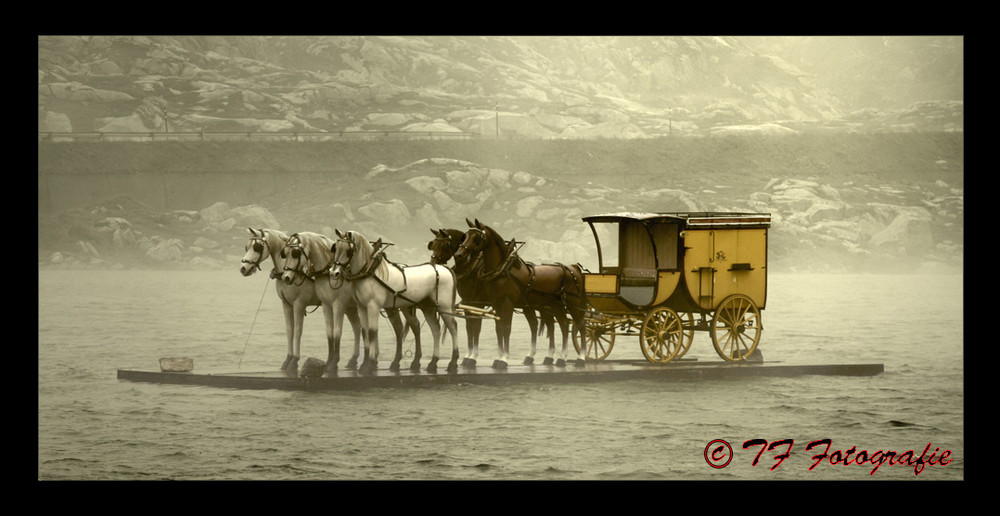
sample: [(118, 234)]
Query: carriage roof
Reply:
[(692, 219)]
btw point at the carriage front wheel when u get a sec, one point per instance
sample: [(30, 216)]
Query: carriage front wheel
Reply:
[(662, 335), (736, 328), (599, 338)]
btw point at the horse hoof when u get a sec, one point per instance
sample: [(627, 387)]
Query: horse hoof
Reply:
[(453, 367), (331, 369), (469, 362), (529, 360), (465, 362), (415, 366), (499, 364), (561, 363), (394, 367), (580, 362), (367, 368), (547, 361), (352, 363), (432, 368)]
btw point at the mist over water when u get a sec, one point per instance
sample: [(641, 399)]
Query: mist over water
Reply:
[(91, 426)]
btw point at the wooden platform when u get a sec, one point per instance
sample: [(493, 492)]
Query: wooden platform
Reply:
[(604, 371)]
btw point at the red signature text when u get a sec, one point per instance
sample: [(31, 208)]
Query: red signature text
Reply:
[(782, 449)]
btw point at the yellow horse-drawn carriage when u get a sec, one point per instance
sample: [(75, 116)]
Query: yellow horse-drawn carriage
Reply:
[(664, 275)]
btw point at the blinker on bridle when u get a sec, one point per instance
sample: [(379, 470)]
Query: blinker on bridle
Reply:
[(258, 247)]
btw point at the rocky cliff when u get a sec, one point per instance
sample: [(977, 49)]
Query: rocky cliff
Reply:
[(885, 204)]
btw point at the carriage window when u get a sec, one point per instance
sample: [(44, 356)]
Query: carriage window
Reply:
[(607, 233), (665, 237)]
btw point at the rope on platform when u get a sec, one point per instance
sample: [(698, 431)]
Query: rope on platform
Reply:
[(261, 302)]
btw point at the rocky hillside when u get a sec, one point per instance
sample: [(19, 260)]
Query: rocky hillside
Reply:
[(890, 203), (523, 87)]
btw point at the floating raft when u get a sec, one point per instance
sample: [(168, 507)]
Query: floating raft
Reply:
[(603, 371)]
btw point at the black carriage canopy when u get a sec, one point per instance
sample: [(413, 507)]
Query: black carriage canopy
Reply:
[(648, 241)]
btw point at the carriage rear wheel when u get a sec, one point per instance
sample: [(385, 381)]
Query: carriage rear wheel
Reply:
[(736, 328), (687, 322), (599, 338), (662, 335)]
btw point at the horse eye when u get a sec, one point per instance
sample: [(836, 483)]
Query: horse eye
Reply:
[(296, 253), (283, 255), (258, 247)]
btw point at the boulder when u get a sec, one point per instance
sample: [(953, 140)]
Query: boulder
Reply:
[(393, 213), (56, 123), (215, 213), (312, 368), (168, 250), (255, 216)]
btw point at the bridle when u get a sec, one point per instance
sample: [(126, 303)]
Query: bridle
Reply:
[(259, 244), (297, 253)]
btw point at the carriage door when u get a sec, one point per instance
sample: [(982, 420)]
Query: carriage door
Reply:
[(638, 264), (701, 266)]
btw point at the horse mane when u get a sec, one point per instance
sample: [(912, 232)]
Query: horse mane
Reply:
[(363, 252), (316, 246)]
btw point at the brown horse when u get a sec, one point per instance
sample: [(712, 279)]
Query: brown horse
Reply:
[(446, 242), (508, 282)]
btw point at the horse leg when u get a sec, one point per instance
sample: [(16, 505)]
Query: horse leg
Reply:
[(351, 312), (289, 332), (529, 314), (399, 330), (564, 326), (577, 314), (431, 318), (451, 325), (299, 312), (414, 325), (473, 326), (369, 322), (332, 339), (505, 312)]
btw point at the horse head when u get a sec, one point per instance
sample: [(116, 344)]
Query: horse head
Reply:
[(344, 251), (444, 245), (257, 250), (476, 240), (294, 260)]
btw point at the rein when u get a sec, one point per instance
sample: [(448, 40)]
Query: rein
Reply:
[(503, 268)]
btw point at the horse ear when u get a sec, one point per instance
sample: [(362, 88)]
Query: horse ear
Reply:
[(479, 224), (250, 229), (471, 225), (435, 232), (339, 234)]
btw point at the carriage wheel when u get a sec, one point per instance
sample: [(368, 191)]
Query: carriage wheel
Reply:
[(662, 335), (736, 328), (600, 338), (687, 322)]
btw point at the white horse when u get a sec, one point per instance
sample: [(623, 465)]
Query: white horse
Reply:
[(378, 283), (295, 297), (308, 257)]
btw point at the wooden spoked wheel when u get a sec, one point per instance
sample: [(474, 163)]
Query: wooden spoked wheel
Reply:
[(662, 335), (599, 337), (687, 321), (736, 328)]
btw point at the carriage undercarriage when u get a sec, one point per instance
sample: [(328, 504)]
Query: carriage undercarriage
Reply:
[(665, 334)]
